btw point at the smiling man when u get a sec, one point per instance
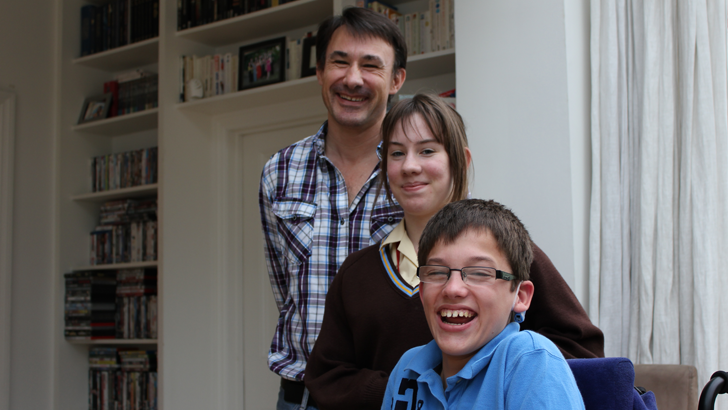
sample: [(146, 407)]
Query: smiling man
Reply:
[(474, 264), (318, 197)]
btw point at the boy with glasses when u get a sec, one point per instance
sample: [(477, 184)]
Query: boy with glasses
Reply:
[(474, 258)]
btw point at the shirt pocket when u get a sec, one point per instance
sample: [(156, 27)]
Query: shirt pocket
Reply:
[(295, 223), (384, 219)]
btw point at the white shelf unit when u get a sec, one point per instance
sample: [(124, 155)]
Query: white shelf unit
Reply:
[(77, 207), (115, 342), (121, 125), (133, 192), (201, 322)]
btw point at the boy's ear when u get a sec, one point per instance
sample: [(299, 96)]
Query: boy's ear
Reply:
[(525, 294)]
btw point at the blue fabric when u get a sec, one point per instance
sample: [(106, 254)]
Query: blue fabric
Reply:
[(608, 384), (515, 370)]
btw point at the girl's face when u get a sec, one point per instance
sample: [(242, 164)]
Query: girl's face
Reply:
[(418, 169)]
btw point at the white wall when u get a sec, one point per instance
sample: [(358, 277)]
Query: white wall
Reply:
[(27, 62), (523, 90)]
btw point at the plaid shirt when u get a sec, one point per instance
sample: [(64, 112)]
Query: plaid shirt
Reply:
[(309, 230)]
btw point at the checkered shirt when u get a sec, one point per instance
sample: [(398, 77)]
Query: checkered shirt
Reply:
[(309, 230)]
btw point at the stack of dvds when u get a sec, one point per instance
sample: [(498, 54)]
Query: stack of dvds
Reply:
[(127, 232), (122, 379), (103, 378), (124, 169), (138, 380), (90, 308), (136, 301)]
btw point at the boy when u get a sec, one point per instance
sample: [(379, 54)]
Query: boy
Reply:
[(474, 259)]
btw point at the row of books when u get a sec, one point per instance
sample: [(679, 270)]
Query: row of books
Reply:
[(90, 307), (121, 211), (129, 242), (136, 303), (127, 232), (133, 92), (193, 13), (111, 304), (424, 31), (122, 379), (117, 23), (124, 169), (213, 75)]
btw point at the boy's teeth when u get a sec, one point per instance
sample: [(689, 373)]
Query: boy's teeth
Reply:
[(456, 313), (352, 98)]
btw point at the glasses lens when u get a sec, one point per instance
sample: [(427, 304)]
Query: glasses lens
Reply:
[(434, 274), (477, 275)]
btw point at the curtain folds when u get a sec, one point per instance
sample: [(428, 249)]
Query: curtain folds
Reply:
[(659, 210)]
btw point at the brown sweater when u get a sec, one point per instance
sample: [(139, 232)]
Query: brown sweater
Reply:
[(369, 323)]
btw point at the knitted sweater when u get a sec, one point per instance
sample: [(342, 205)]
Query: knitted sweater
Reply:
[(370, 322)]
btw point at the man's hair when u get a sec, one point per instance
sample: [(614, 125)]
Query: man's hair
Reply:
[(445, 124), (362, 23), (481, 216)]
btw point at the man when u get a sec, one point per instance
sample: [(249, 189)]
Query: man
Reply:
[(318, 197)]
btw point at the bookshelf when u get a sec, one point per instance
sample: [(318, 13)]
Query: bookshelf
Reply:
[(206, 288)]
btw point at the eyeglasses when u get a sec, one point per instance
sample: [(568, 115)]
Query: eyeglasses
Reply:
[(473, 275)]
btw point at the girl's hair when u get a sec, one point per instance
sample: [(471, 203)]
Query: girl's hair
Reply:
[(445, 124)]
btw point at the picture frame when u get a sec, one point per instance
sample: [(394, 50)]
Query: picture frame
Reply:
[(262, 63), (95, 108), (308, 59)]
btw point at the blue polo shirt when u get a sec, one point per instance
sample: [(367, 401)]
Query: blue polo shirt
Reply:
[(515, 370)]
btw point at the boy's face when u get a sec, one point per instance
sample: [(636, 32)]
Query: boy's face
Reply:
[(483, 311)]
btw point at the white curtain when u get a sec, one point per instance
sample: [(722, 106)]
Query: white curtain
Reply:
[(659, 210)]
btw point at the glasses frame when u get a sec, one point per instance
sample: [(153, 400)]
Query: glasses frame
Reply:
[(499, 274)]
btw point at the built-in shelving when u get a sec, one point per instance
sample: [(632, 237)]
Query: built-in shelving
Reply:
[(263, 23), (121, 125), (115, 266), (113, 342), (420, 66), (255, 97), (132, 192), (123, 58)]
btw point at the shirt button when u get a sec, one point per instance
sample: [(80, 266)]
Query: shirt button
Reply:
[(390, 219), (342, 221)]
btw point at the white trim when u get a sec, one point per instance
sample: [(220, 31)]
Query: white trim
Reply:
[(7, 154), (227, 198)]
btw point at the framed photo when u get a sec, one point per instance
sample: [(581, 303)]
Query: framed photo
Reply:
[(95, 108), (262, 63), (308, 60)]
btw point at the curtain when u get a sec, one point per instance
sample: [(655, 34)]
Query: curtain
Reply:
[(658, 248)]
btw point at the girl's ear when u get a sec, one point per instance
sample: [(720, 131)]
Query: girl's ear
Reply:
[(523, 299), (468, 157)]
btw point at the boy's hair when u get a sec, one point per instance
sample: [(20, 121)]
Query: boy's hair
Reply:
[(361, 22), (445, 124), (479, 215)]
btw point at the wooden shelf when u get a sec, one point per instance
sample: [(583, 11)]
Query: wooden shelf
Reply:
[(123, 58), (431, 64), (263, 23), (420, 66), (103, 196), (255, 97), (114, 266), (113, 341), (121, 125)]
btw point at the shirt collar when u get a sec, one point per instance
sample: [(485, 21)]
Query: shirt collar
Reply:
[(405, 247), (319, 139), (430, 356)]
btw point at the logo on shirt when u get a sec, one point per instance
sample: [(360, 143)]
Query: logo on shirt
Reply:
[(412, 403)]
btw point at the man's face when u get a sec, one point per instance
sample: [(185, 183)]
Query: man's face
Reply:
[(357, 78), (464, 317)]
